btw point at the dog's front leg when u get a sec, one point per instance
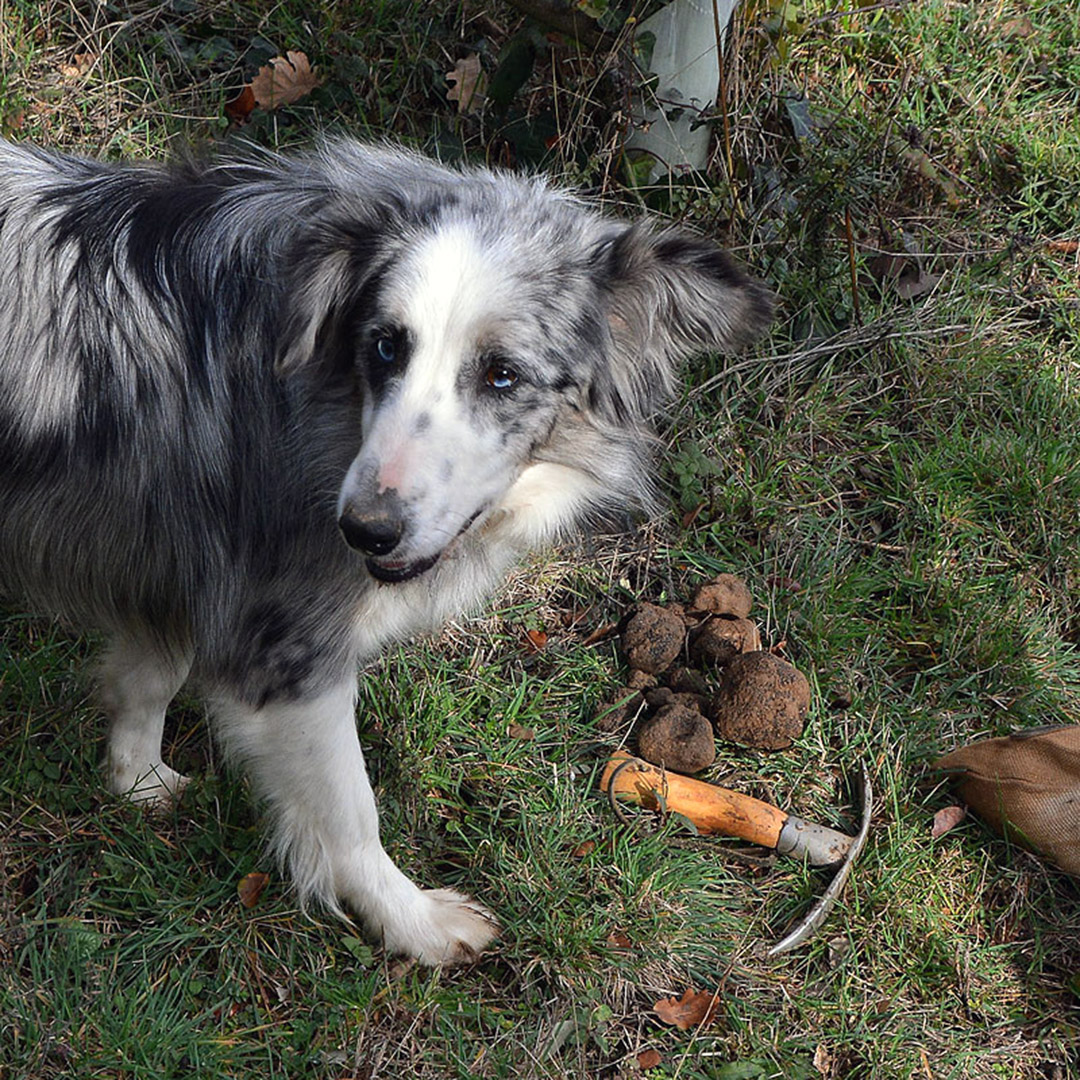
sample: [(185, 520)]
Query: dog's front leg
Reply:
[(304, 759), (138, 681)]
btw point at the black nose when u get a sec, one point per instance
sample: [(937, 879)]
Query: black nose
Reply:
[(374, 530)]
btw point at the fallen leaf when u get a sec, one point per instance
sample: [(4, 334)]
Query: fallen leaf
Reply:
[(80, 64), (648, 1059), (536, 639), (284, 80), (1065, 247), (618, 940), (239, 109), (838, 949), (823, 1060), (469, 84), (586, 847), (695, 1008), (947, 819), (519, 731), (250, 888)]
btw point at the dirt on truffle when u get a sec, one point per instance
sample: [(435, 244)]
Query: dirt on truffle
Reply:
[(719, 640), (677, 738), (726, 594), (653, 638), (762, 702)]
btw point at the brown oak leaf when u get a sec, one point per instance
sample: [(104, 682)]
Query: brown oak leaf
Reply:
[(284, 80), (469, 84), (694, 1008)]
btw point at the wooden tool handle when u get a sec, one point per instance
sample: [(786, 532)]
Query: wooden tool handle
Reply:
[(712, 809)]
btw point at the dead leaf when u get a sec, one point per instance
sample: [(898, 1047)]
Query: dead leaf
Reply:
[(947, 819), (618, 940), (239, 109), (823, 1060), (284, 80), (469, 85), (535, 639), (250, 888), (648, 1059), (519, 731), (586, 847), (1065, 247), (80, 64), (695, 1008)]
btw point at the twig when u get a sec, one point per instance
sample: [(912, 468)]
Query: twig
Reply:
[(873, 334)]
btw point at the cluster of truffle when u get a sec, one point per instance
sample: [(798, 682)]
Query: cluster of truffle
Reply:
[(699, 671)]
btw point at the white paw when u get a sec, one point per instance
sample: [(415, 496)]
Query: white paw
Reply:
[(153, 787), (443, 928)]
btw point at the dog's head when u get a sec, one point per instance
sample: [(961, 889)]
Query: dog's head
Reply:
[(509, 344)]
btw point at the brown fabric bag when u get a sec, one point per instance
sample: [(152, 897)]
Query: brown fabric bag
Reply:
[(1026, 786)]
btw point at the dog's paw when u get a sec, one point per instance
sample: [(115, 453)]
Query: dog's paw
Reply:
[(444, 928), (151, 788)]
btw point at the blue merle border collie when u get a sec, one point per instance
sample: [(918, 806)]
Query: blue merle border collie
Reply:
[(260, 417)]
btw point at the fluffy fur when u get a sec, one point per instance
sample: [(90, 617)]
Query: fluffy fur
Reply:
[(260, 417)]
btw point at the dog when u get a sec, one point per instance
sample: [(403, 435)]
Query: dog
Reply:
[(262, 415)]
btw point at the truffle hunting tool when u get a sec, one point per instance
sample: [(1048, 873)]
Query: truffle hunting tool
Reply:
[(717, 810)]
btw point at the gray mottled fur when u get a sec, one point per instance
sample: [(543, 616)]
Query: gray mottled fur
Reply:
[(184, 390)]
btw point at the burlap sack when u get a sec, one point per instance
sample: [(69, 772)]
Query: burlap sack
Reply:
[(1026, 786)]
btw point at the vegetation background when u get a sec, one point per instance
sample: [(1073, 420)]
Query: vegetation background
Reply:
[(896, 472)]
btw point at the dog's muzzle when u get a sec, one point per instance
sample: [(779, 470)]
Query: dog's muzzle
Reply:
[(376, 529)]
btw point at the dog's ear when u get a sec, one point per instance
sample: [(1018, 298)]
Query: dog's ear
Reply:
[(671, 295), (327, 274)]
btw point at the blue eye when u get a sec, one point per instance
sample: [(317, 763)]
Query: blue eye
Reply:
[(500, 377), (385, 351)]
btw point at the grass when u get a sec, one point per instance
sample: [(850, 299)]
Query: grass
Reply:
[(897, 478)]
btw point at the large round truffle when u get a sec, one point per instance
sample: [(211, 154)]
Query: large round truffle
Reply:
[(653, 638), (726, 594), (677, 738), (762, 703)]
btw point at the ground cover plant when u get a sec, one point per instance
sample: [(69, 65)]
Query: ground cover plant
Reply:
[(895, 471)]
